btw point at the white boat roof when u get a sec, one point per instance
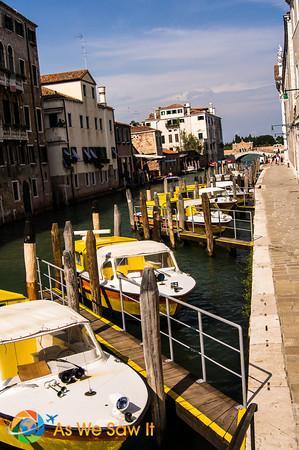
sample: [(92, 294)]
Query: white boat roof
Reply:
[(136, 248), (224, 184), (210, 190), (35, 318)]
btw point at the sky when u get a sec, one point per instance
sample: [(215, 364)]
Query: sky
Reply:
[(151, 53)]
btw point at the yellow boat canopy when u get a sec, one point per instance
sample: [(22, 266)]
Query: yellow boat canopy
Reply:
[(36, 318)]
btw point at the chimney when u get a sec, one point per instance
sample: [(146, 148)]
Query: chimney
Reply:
[(212, 110), (102, 95), (187, 109)]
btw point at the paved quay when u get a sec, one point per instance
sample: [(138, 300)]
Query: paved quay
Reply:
[(274, 322)]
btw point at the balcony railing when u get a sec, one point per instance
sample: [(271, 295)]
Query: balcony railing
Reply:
[(173, 124), (15, 133)]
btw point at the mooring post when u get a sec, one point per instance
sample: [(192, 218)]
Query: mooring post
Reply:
[(130, 209), (156, 234), (117, 221), (93, 271), (95, 216), (181, 212), (150, 321), (234, 187), (196, 190), (149, 195), (171, 191), (56, 251), (71, 280), (165, 185), (144, 215), (246, 182), (208, 223), (30, 261), (170, 221), (68, 236)]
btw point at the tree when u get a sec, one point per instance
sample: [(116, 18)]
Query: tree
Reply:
[(190, 143), (133, 123), (279, 140)]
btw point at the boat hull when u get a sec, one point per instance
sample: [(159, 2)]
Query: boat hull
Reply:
[(111, 299), (197, 228)]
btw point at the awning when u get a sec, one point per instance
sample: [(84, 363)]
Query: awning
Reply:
[(86, 155), (35, 318)]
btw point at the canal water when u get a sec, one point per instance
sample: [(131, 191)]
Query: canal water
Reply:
[(223, 285)]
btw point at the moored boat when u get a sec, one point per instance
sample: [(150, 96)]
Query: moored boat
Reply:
[(77, 394)]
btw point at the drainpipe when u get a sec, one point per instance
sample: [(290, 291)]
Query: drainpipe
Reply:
[(68, 147)]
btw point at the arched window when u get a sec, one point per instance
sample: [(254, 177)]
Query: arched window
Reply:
[(2, 57), (11, 65)]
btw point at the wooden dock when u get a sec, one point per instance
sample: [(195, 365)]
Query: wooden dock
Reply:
[(222, 241), (206, 410)]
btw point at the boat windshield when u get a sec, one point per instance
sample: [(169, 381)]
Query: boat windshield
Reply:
[(31, 357), (134, 265)]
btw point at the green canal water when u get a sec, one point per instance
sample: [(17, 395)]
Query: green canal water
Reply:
[(223, 283)]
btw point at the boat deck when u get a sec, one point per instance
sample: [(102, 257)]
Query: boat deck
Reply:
[(205, 409), (222, 241)]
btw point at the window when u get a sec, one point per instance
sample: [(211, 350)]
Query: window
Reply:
[(174, 111), (87, 122), (182, 120), (147, 124), (6, 112), (93, 178), (22, 155), (163, 139), (92, 92), (11, 155), (27, 118), (76, 181), (32, 36), (2, 55), (34, 187), (84, 90), (67, 180), (34, 75), (101, 124), (31, 154), (39, 120), (200, 135), (16, 113), (168, 112), (69, 118), (162, 113), (170, 138), (53, 120), (87, 181), (180, 110), (11, 64), (176, 138), (201, 118), (16, 190), (22, 67), (96, 123), (110, 125), (43, 154), (8, 23), (19, 27), (2, 155)]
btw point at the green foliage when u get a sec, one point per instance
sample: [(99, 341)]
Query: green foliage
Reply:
[(190, 143), (279, 140), (258, 141)]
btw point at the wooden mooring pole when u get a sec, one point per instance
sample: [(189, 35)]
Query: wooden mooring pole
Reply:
[(170, 222), (156, 232), (149, 195), (95, 216), (165, 185), (130, 209), (208, 223), (150, 321), (30, 261), (68, 236), (71, 281), (117, 221), (93, 271), (145, 222), (181, 212), (56, 250)]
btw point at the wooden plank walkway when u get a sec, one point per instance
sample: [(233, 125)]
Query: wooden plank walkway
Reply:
[(205, 409), (221, 241)]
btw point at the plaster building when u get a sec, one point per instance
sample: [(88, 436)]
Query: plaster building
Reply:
[(173, 120), (286, 74), (125, 153), (239, 147), (25, 186), (80, 136), (148, 144)]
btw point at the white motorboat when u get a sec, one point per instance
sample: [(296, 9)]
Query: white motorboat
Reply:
[(54, 373)]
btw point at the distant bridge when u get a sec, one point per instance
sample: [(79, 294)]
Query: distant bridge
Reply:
[(252, 152)]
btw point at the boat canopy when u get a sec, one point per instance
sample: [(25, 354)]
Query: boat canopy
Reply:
[(136, 248), (224, 184), (36, 318), (210, 190)]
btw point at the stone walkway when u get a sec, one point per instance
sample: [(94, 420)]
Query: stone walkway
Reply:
[(274, 323)]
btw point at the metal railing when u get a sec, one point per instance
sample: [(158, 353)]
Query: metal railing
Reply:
[(173, 328)]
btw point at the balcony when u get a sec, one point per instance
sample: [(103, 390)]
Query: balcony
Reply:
[(13, 81), (56, 135), (14, 133), (174, 123)]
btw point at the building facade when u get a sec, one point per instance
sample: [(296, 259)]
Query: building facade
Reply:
[(286, 73), (176, 119), (25, 186), (80, 136), (149, 151), (126, 162)]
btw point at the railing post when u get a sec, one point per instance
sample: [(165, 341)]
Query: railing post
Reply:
[(251, 226), (202, 348), (235, 224), (243, 371), (169, 330), (39, 277), (181, 212)]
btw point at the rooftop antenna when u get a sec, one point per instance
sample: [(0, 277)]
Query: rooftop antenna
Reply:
[(83, 49)]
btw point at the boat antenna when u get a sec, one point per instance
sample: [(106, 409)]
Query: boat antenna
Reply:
[(90, 392)]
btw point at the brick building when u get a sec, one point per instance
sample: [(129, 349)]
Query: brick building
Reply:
[(148, 145), (125, 152), (25, 186)]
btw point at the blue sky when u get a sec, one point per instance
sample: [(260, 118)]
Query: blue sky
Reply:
[(154, 52)]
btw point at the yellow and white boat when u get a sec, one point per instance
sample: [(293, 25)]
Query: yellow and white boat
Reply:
[(9, 298), (58, 389), (121, 261)]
